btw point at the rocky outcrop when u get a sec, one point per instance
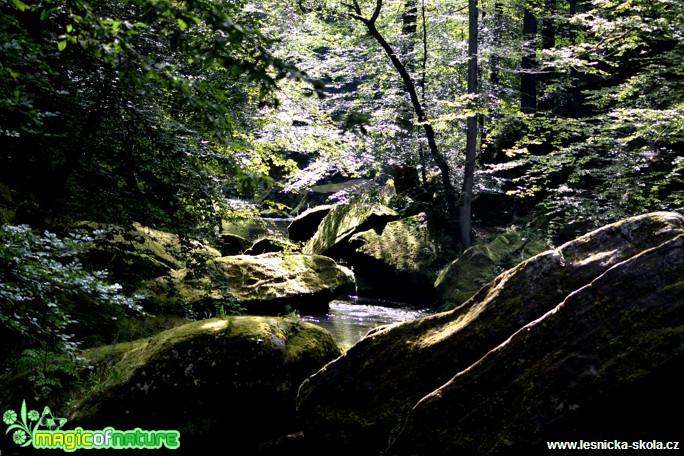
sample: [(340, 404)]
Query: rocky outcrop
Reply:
[(270, 245), (135, 253), (270, 282), (397, 260), (560, 345), (226, 381), (304, 226), (480, 264), (342, 222), (232, 244)]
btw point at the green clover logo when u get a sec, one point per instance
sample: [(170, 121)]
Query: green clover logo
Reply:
[(26, 422)]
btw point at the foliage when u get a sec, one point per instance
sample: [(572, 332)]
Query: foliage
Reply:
[(619, 152), (49, 304), (139, 104)]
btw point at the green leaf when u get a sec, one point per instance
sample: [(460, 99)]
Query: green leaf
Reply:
[(61, 45), (21, 5), (44, 14), (182, 24), (69, 28), (23, 412)]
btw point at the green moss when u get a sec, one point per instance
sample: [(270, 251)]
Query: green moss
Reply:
[(343, 221), (480, 264), (309, 340), (190, 352)]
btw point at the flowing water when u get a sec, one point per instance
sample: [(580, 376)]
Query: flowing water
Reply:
[(351, 317)]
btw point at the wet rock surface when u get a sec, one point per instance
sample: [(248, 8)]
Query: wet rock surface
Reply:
[(532, 355)]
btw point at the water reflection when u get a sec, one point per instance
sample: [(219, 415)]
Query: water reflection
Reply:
[(349, 319)]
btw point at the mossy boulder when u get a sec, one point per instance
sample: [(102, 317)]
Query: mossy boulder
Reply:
[(480, 264), (273, 282), (135, 253), (232, 244), (227, 381), (565, 334), (344, 221), (397, 260), (269, 245), (270, 284), (606, 362), (304, 226)]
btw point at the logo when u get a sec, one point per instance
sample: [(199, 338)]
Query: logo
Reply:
[(44, 431)]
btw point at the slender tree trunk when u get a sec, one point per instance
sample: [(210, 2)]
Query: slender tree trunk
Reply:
[(496, 41), (471, 135), (440, 160), (575, 91), (422, 83), (528, 76), (409, 29)]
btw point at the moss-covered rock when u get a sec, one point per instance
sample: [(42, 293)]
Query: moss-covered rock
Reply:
[(272, 281), (270, 284), (232, 244), (605, 363), (397, 260), (226, 381), (136, 253), (480, 264), (270, 245), (342, 222), (515, 351), (304, 226)]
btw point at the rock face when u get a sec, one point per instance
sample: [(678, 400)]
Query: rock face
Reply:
[(342, 222), (304, 226), (268, 282), (269, 245), (398, 259), (562, 345), (480, 264), (219, 382)]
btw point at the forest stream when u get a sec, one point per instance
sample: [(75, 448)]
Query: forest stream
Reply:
[(351, 317)]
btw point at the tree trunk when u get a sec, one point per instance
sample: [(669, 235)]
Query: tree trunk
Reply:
[(528, 76), (575, 91), (471, 138)]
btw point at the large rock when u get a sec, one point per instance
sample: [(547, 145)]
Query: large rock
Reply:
[(218, 382), (480, 264), (606, 363), (342, 222), (270, 284), (558, 339), (304, 226), (397, 261), (135, 253), (270, 245), (232, 244)]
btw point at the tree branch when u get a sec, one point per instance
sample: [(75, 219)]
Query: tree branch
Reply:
[(376, 13)]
